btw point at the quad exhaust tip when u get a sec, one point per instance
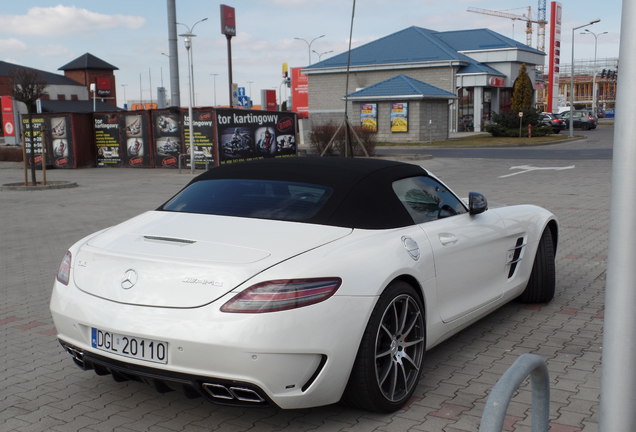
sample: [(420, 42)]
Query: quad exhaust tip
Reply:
[(228, 393)]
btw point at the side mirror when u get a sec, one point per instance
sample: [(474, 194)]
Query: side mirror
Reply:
[(477, 203)]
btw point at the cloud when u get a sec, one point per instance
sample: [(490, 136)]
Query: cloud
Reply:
[(65, 20), (12, 45)]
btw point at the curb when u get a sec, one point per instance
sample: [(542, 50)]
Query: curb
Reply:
[(37, 187)]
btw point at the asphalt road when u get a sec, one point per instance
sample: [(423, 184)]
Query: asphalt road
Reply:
[(42, 390)]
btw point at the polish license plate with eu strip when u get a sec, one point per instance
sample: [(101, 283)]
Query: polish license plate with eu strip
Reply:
[(130, 346)]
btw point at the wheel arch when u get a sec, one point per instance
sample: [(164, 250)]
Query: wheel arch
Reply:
[(411, 280), (554, 232)]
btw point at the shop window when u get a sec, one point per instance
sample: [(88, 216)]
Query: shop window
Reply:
[(466, 110)]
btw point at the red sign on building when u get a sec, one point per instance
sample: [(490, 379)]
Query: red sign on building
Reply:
[(104, 88), (8, 120), (300, 93)]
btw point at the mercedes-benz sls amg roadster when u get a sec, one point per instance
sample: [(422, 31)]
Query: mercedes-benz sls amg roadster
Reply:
[(297, 282)]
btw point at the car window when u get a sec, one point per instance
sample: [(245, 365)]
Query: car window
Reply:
[(261, 199), (426, 199)]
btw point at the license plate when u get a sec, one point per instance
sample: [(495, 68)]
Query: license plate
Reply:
[(130, 346)]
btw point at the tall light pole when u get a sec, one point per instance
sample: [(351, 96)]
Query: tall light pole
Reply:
[(571, 133), (123, 86), (214, 75), (322, 53), (594, 92), (187, 39), (309, 45)]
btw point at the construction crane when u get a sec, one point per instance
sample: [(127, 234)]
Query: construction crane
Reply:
[(541, 21)]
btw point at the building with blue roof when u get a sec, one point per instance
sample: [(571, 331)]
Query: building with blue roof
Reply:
[(445, 81)]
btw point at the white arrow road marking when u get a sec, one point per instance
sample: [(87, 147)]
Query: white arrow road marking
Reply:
[(528, 168)]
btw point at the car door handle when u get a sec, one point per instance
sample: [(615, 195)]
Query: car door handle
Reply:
[(447, 239)]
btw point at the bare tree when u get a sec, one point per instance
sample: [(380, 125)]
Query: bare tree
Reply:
[(28, 87)]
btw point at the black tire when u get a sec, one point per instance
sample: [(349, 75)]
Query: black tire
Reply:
[(540, 288), (389, 361)]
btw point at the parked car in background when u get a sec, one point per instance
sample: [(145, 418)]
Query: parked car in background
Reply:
[(609, 113), (552, 120), (581, 118)]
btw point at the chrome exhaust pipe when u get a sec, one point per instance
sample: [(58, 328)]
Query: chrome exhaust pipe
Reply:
[(218, 391), (246, 395), (78, 355), (242, 394)]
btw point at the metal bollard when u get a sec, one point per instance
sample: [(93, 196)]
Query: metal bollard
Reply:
[(497, 405)]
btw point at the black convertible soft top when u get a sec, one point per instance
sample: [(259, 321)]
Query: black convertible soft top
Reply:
[(362, 194)]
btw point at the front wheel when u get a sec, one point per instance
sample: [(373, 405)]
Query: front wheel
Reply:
[(540, 288), (389, 360)]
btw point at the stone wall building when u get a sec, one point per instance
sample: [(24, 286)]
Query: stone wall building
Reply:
[(476, 68)]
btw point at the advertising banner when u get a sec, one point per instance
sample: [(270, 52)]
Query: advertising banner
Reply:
[(33, 133), (300, 92), (136, 140), (268, 100), (167, 137), (400, 117), (8, 121), (555, 57), (369, 116), (58, 134), (107, 139), (243, 135), (228, 20), (203, 129)]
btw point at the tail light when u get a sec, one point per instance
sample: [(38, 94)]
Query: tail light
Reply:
[(64, 272), (280, 295)]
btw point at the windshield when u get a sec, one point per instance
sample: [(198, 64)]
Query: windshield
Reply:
[(262, 199)]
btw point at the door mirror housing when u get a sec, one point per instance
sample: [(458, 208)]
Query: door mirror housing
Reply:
[(477, 203)]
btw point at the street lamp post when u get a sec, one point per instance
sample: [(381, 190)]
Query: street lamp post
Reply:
[(309, 45), (322, 53), (125, 101), (214, 75), (571, 132), (187, 39), (594, 91)]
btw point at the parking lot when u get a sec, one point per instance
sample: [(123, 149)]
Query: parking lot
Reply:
[(42, 390)]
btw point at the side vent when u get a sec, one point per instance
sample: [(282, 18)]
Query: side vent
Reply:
[(514, 256)]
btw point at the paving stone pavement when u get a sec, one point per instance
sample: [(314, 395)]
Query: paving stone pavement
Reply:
[(42, 390)]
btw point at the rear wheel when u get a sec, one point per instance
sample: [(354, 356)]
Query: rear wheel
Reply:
[(389, 360), (540, 288)]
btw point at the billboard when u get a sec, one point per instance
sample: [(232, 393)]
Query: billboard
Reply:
[(300, 93), (53, 133), (555, 55), (203, 131), (228, 21), (244, 135), (167, 137), (106, 128), (123, 140)]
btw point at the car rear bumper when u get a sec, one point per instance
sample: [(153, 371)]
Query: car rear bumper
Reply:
[(292, 359)]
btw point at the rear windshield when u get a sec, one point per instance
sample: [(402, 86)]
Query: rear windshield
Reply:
[(262, 199)]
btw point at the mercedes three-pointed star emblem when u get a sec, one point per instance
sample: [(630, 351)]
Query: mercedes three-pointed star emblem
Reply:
[(129, 280)]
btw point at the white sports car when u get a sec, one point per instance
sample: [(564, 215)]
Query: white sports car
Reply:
[(297, 282)]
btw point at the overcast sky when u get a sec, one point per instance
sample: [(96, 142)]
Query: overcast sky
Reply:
[(132, 35)]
